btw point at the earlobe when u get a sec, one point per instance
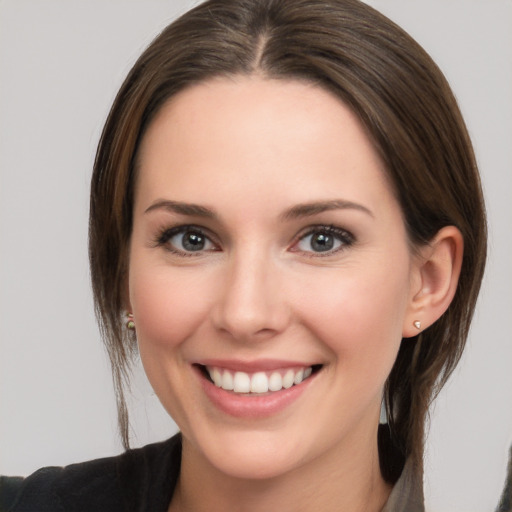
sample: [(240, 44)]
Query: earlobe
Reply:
[(437, 272)]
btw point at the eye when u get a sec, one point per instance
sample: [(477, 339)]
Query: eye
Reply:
[(324, 239), (186, 240)]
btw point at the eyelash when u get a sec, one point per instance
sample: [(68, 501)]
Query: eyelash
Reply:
[(343, 236), (162, 239)]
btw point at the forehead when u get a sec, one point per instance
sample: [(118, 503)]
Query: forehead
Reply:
[(249, 134)]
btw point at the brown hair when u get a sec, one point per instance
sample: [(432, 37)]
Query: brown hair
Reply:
[(409, 112)]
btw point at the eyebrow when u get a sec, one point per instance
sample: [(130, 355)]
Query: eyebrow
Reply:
[(310, 209), (295, 212), (182, 208)]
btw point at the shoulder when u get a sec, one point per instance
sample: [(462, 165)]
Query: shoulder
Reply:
[(74, 487), (143, 478)]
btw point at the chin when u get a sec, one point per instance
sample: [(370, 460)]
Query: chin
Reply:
[(249, 466), (253, 455)]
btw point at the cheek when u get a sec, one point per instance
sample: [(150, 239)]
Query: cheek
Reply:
[(168, 306), (358, 314), (168, 309)]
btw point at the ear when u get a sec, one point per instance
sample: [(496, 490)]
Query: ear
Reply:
[(435, 276)]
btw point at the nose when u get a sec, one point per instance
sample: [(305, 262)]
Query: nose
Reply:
[(252, 302)]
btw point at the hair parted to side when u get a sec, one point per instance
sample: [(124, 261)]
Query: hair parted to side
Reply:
[(409, 112)]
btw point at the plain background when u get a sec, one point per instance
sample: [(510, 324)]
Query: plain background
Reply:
[(61, 63)]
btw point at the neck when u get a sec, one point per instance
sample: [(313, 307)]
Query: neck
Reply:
[(346, 479)]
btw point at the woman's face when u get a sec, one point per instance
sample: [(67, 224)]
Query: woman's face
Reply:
[(267, 249)]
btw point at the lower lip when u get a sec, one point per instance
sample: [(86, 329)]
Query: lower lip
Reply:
[(254, 405)]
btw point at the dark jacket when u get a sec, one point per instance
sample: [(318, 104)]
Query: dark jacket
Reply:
[(141, 480)]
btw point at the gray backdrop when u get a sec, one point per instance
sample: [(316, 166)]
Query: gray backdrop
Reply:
[(61, 63)]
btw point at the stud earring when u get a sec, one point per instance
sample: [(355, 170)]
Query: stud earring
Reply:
[(417, 324), (130, 324)]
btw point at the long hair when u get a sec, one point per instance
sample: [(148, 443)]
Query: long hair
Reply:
[(409, 113)]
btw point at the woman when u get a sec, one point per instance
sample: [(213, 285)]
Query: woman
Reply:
[(286, 205)]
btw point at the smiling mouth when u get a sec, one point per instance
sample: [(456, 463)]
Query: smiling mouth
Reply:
[(257, 383)]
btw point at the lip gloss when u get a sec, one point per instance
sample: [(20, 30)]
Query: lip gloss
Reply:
[(252, 405)]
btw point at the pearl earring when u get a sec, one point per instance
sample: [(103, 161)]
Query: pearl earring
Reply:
[(417, 324)]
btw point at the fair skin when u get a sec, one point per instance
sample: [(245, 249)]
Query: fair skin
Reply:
[(266, 239)]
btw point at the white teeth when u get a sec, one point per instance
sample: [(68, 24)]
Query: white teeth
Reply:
[(288, 379), (259, 382), (299, 377), (241, 382), (216, 377), (275, 383), (227, 381)]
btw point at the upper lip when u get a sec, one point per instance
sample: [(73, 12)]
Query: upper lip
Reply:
[(253, 366)]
